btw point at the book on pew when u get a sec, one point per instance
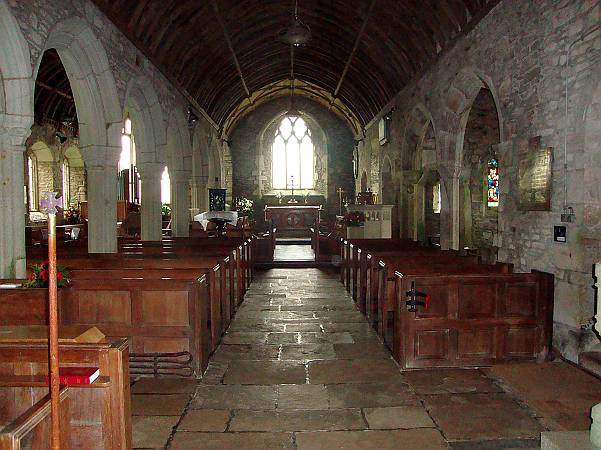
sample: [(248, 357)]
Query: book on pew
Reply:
[(76, 375)]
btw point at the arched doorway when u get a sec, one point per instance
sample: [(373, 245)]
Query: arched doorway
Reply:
[(482, 170)]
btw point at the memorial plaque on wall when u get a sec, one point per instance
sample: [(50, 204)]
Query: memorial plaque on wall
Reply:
[(535, 177)]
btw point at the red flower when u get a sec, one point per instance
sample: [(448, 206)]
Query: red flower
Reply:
[(45, 264), (44, 275), (59, 276), (32, 276)]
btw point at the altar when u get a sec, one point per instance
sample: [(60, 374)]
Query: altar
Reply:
[(293, 220)]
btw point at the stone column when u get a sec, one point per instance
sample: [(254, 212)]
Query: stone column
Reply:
[(150, 174), (12, 204), (180, 209), (199, 196), (102, 206)]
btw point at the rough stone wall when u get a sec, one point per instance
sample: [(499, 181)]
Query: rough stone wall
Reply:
[(45, 177), (519, 52), (251, 159), (77, 184)]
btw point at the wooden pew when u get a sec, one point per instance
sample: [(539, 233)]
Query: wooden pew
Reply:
[(381, 301), (94, 417), (474, 319), (157, 315)]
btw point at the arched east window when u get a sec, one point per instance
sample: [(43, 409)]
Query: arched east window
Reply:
[(130, 183), (492, 183), (165, 187), (292, 155)]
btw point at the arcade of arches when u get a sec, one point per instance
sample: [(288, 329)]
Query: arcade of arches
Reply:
[(133, 123)]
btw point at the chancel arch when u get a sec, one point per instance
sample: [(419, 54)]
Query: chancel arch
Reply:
[(99, 119)]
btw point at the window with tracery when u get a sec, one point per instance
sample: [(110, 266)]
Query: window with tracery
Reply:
[(292, 152), (492, 184)]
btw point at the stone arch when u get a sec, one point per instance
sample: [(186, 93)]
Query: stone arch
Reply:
[(16, 118), (179, 152), (99, 116), (93, 86), (473, 98), (149, 130), (461, 96), (16, 82), (420, 157), (148, 125)]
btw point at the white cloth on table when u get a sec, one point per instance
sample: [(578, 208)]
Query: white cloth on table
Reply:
[(206, 216)]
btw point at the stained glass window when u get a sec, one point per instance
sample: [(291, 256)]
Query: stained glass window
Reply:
[(292, 155), (492, 185)]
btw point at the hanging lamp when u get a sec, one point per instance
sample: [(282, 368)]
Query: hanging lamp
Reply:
[(297, 34)]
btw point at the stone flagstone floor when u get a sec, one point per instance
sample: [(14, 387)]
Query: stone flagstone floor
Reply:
[(300, 369)]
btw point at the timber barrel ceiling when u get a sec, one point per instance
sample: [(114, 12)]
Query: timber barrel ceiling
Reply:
[(381, 43)]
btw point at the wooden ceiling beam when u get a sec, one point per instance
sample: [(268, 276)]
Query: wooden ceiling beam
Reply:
[(230, 46)]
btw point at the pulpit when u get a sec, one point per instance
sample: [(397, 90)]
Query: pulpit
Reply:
[(377, 225), (293, 220)]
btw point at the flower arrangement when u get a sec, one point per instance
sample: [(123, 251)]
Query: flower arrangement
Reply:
[(41, 274), (73, 215), (245, 206), (354, 218)]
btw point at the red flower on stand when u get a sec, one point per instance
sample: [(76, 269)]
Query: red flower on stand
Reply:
[(40, 276)]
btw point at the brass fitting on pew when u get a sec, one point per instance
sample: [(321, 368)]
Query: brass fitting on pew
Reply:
[(412, 299)]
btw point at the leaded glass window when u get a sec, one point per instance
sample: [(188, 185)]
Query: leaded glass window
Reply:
[(492, 185), (292, 155)]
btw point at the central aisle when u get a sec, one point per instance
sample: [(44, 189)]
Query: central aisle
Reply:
[(300, 368)]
